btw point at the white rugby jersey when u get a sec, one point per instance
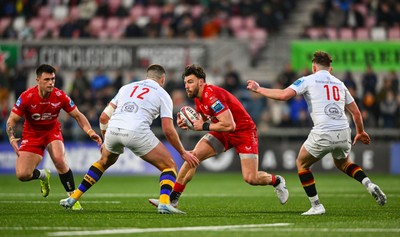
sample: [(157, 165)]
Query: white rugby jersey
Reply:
[(138, 104), (326, 98)]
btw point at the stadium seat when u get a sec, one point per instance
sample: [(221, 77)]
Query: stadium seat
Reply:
[(249, 22), (378, 33), (44, 12), (154, 12), (346, 34), (362, 34), (96, 25), (313, 33), (113, 24), (19, 23), (4, 23), (60, 12), (331, 33), (393, 33), (235, 23), (137, 11), (196, 10), (242, 34), (370, 21)]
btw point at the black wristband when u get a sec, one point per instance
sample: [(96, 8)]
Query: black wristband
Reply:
[(206, 126)]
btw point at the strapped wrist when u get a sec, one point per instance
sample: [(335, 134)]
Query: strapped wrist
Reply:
[(206, 126)]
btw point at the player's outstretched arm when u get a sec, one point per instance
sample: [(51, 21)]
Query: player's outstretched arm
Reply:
[(85, 125), (173, 138), (276, 94), (10, 128)]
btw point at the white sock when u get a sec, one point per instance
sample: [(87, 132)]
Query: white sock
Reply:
[(314, 200), (366, 181), (42, 175)]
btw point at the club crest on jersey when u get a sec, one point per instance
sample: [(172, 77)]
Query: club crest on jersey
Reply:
[(58, 93), (298, 82), (217, 106), (55, 104)]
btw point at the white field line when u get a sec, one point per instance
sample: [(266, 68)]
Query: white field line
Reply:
[(158, 230), (36, 202), (283, 227), (130, 195)]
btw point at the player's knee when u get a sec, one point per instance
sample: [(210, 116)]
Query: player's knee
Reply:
[(23, 176), (250, 179)]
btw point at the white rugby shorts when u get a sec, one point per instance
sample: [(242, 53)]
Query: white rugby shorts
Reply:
[(139, 142), (337, 142)]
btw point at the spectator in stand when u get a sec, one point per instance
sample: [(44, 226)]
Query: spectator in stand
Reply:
[(336, 17), (371, 106), (132, 30), (232, 81), (267, 20), (389, 110), (287, 76), (80, 91), (349, 82), (369, 80), (384, 16), (318, 16), (354, 18)]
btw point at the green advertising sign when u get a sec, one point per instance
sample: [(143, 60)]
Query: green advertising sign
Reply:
[(349, 55), (9, 54)]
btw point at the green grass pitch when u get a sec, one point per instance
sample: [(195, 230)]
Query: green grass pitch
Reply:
[(216, 204)]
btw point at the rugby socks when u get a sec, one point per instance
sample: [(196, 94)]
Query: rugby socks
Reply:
[(91, 177), (37, 174), (67, 180), (167, 180), (178, 190), (276, 180), (308, 183), (355, 171)]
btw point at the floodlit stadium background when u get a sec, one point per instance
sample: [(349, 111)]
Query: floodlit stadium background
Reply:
[(98, 46)]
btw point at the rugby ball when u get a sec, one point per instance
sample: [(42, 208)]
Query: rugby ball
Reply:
[(188, 114)]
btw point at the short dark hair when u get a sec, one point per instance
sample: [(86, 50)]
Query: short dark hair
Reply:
[(194, 69), (155, 71), (322, 58), (45, 68)]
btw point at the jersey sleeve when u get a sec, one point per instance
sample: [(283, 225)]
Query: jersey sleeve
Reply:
[(300, 86), (349, 98), (216, 102), (69, 104), (19, 106), (166, 106)]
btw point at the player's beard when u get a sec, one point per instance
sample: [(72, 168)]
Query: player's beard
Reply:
[(194, 93)]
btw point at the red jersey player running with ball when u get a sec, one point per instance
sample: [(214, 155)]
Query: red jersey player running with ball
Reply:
[(41, 105), (230, 126)]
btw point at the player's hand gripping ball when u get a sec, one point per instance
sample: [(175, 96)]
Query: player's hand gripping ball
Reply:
[(188, 115)]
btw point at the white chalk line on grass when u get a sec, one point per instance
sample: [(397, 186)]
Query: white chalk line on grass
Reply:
[(133, 195), (36, 202), (158, 230)]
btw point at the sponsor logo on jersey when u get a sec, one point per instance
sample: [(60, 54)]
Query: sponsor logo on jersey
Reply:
[(130, 107), (333, 111), (19, 101), (298, 82), (58, 93), (33, 106), (71, 103), (217, 106)]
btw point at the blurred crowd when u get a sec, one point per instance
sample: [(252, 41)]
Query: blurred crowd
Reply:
[(377, 96), (354, 19)]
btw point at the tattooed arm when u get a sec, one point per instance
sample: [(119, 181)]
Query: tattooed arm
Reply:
[(10, 127)]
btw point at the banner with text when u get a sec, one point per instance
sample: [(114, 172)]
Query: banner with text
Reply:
[(349, 55), (113, 56), (273, 157)]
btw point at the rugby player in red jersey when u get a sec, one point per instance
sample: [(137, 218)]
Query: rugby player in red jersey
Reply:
[(40, 106), (229, 125)]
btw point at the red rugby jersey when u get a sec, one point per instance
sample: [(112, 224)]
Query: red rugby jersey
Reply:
[(41, 114), (215, 100)]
